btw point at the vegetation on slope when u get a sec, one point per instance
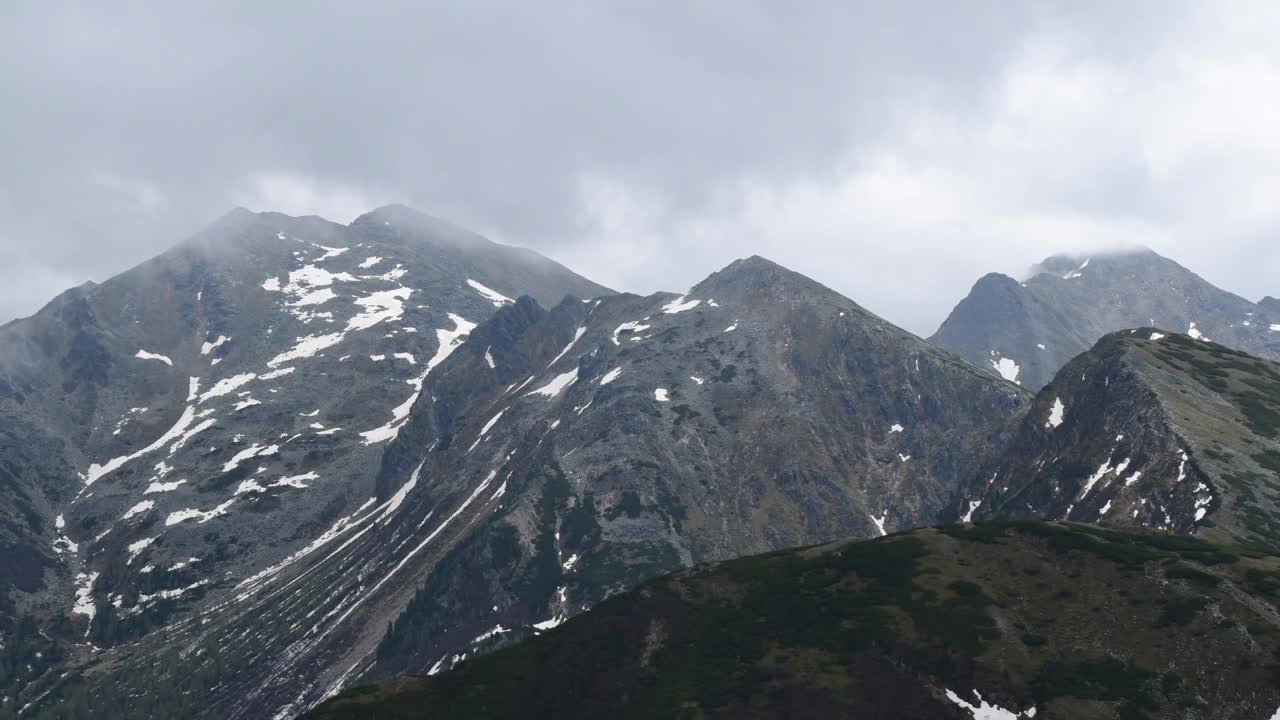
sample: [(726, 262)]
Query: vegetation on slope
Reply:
[(1073, 620)]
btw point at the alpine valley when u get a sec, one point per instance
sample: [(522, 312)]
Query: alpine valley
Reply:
[(290, 457)]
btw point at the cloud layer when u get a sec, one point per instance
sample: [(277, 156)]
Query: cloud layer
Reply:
[(895, 154)]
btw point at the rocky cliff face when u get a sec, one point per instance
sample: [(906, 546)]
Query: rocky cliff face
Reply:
[(210, 413), (1001, 621), (1152, 429), (1025, 331)]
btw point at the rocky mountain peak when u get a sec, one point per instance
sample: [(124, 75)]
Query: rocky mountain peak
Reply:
[(757, 280)]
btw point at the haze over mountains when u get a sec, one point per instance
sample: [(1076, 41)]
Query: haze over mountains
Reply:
[(289, 456)]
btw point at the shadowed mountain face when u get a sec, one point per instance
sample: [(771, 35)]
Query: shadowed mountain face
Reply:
[(1026, 331), (1147, 428), (1001, 621), (205, 415)]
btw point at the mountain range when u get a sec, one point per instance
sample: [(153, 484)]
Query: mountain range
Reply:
[(1026, 331), (290, 456)]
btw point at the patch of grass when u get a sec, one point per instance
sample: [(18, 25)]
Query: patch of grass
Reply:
[(1260, 413), (1180, 611), (1106, 679), (1269, 460), (1183, 572)]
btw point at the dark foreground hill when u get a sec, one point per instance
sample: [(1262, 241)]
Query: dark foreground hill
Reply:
[(993, 621)]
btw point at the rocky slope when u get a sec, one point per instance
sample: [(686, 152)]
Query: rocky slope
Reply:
[(1147, 428), (635, 436), (213, 411), (1025, 331), (561, 456), (994, 621)]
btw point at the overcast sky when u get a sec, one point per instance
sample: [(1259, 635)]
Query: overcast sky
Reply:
[(894, 151)]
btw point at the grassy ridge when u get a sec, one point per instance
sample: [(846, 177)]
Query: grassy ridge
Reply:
[(1074, 620)]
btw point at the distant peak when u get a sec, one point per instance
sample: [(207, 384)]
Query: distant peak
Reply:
[(394, 210), (753, 268), (404, 218), (754, 263), (762, 278), (1066, 264)]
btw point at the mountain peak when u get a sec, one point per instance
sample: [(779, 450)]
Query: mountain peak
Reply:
[(758, 276), (1070, 301), (1067, 264)]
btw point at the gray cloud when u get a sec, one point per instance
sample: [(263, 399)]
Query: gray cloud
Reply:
[(895, 153)]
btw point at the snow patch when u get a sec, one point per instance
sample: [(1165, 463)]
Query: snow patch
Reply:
[(160, 487), (137, 547), (201, 516), (329, 252), (557, 384), (577, 334), (1055, 414), (369, 262), (96, 471), (679, 305), (1078, 272), (610, 376), (493, 296), (306, 347), (226, 386), (381, 306), (209, 347), (1007, 368), (246, 403), (144, 355), (484, 430), (249, 452), (138, 509), (448, 340), (276, 373), (84, 596), (879, 521), (983, 711), (635, 326), (660, 395)]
